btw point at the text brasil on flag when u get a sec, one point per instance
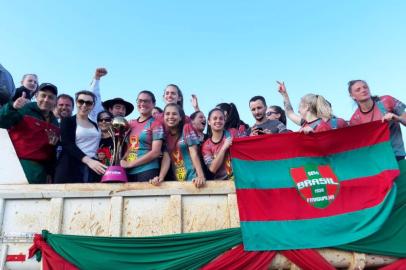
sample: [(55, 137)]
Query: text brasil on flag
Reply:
[(325, 189)]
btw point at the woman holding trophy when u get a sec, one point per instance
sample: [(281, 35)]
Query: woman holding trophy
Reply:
[(80, 139), (144, 142), (104, 119), (181, 149)]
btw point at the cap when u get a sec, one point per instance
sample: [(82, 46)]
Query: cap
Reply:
[(48, 86)]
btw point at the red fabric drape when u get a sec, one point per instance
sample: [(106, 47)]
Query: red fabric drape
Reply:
[(308, 259), (50, 259), (234, 259), (237, 258), (398, 265)]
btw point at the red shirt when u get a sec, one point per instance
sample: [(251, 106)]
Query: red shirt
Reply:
[(392, 105), (211, 149)]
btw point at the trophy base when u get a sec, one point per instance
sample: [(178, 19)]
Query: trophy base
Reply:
[(114, 174)]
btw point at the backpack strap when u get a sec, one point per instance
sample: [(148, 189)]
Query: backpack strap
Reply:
[(333, 122), (381, 107), (315, 123), (227, 134), (149, 123)]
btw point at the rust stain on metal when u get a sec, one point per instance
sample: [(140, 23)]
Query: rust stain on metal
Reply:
[(99, 230)]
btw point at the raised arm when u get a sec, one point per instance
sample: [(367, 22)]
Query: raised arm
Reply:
[(295, 118), (10, 113), (195, 103), (95, 88)]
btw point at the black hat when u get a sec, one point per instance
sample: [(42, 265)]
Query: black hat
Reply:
[(48, 86), (129, 108)]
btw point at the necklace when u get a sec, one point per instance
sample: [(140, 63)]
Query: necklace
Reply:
[(370, 110)]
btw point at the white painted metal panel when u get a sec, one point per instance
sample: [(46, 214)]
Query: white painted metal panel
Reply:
[(90, 216), (205, 213), (147, 216), (10, 167), (25, 216)]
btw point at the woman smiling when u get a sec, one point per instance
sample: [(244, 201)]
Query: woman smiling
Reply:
[(80, 139), (215, 149), (145, 142), (181, 149)]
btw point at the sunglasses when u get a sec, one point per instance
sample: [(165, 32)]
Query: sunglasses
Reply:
[(107, 120), (270, 113), (146, 101), (87, 102)]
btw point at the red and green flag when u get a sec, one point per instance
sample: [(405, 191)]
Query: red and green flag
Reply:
[(298, 191)]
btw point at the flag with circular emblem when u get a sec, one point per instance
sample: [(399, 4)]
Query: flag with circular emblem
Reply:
[(317, 190), (317, 184)]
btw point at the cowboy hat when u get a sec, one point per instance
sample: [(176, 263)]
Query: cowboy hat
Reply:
[(110, 103)]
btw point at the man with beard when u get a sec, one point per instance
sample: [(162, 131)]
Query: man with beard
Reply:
[(262, 124), (64, 106), (118, 107)]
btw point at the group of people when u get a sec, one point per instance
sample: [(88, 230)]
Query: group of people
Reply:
[(55, 146)]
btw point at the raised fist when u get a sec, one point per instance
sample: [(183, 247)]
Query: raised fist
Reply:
[(100, 72)]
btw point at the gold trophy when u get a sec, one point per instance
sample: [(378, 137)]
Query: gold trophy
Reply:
[(119, 131)]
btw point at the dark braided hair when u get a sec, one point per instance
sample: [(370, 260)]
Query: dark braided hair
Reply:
[(233, 118)]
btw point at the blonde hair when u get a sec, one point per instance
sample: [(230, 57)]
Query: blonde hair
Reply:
[(318, 106), (29, 74)]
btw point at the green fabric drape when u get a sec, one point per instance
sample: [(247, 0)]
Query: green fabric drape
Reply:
[(390, 240), (179, 251), (193, 250)]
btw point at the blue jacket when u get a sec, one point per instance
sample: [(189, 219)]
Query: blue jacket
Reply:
[(7, 87)]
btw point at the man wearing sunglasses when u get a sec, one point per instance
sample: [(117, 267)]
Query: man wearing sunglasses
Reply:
[(262, 124), (34, 131)]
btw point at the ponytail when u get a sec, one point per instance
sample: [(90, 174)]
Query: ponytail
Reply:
[(323, 108), (318, 106)]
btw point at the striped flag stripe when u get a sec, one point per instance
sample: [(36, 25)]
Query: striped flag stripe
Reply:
[(315, 233), (353, 196), (347, 165), (286, 146)]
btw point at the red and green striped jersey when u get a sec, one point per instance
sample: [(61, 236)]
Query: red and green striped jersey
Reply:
[(324, 189)]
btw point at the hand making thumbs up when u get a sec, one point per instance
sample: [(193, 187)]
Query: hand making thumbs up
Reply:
[(21, 101)]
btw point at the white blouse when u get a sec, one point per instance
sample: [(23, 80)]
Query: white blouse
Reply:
[(88, 139)]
